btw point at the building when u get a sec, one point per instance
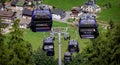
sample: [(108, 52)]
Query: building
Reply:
[(91, 6), (75, 11), (26, 16), (58, 14), (27, 13), (7, 15)]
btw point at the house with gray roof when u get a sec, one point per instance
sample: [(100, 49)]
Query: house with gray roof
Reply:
[(27, 12), (58, 13)]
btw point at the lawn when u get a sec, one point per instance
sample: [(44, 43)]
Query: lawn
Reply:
[(105, 15), (64, 4), (36, 38)]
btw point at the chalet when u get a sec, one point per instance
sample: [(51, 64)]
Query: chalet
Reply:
[(91, 6), (75, 11), (27, 13), (7, 15), (58, 14), (29, 2)]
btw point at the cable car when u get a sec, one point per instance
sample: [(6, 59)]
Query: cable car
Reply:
[(52, 36), (67, 57), (48, 46), (66, 36), (41, 20), (73, 46), (88, 27), (50, 52)]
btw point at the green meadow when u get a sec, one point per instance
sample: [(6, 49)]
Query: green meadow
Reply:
[(106, 15)]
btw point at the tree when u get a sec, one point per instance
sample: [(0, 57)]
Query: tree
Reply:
[(103, 50), (111, 24), (20, 53), (40, 58), (115, 46), (3, 48), (109, 4), (3, 1)]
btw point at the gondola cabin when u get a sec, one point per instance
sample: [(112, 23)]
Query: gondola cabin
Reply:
[(48, 46), (50, 52), (41, 20), (48, 43), (88, 27), (67, 57), (73, 46), (66, 36)]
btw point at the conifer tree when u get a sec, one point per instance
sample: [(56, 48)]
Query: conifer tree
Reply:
[(20, 51), (3, 49), (40, 58)]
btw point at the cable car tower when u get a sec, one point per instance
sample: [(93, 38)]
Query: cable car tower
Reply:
[(59, 31)]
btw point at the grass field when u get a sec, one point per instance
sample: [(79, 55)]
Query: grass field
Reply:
[(106, 15), (36, 38)]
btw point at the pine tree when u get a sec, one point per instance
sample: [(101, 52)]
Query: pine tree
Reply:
[(20, 53), (115, 46), (40, 58), (103, 50), (3, 48)]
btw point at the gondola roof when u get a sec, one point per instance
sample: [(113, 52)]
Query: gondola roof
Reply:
[(67, 54), (41, 12), (88, 23), (48, 40), (73, 42)]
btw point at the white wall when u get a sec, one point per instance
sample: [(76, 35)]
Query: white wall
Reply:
[(19, 8), (56, 16)]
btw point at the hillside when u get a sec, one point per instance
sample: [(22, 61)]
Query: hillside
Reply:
[(106, 15)]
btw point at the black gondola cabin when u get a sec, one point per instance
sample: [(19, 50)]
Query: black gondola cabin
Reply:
[(88, 27), (67, 57), (48, 46), (41, 20), (73, 46)]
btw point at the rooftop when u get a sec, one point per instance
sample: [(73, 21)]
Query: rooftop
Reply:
[(27, 12), (73, 42), (6, 13), (48, 40), (57, 11)]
